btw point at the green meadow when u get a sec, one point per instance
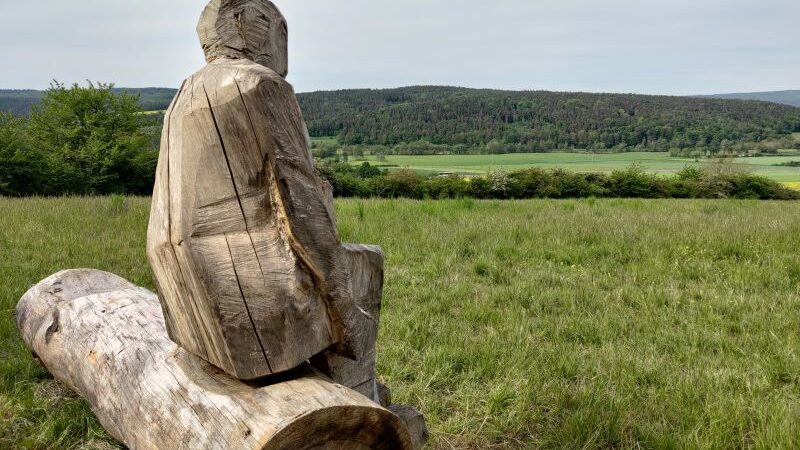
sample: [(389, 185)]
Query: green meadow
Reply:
[(660, 163), (591, 324)]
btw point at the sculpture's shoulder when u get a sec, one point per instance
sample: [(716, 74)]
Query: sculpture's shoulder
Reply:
[(251, 76), (192, 93), (229, 78)]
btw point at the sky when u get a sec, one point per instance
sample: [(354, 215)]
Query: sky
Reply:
[(674, 47)]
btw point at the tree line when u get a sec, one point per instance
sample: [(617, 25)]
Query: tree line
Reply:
[(20, 102), (94, 139), (714, 181), (458, 120), (435, 120)]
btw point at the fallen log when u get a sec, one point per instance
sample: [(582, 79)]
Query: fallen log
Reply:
[(106, 339)]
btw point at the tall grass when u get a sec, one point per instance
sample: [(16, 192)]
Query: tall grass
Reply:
[(524, 324)]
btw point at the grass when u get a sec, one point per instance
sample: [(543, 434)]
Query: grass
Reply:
[(660, 163), (589, 324), (325, 140)]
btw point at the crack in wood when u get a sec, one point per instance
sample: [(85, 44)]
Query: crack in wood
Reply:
[(241, 208), (53, 328), (303, 258), (196, 317)]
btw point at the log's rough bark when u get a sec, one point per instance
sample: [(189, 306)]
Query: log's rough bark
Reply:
[(106, 339)]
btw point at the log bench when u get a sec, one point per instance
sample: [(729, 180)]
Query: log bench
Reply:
[(105, 338)]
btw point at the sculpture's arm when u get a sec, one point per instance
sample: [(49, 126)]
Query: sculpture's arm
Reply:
[(306, 206), (350, 277), (298, 198)]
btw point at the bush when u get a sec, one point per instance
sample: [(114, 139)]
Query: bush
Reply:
[(94, 140), (755, 187), (532, 183), (633, 182), (368, 171), (350, 186), (447, 187), (538, 183), (23, 171), (690, 173), (403, 183), (79, 140)]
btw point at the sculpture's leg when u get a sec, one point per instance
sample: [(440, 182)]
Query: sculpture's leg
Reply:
[(365, 283)]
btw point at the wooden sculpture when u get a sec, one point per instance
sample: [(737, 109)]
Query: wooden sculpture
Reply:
[(105, 339), (264, 337), (242, 236)]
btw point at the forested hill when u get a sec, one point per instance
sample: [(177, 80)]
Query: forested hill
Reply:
[(516, 121), (786, 97), (538, 121), (19, 102)]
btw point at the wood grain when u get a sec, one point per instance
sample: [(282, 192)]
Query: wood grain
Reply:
[(245, 29), (106, 339), (242, 236)]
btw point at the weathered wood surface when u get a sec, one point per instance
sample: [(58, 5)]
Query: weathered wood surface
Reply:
[(415, 423), (254, 30), (106, 339), (242, 237)]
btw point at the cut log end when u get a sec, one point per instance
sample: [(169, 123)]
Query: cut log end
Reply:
[(345, 427)]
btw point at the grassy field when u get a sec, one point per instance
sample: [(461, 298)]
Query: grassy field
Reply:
[(580, 162), (325, 140), (534, 324)]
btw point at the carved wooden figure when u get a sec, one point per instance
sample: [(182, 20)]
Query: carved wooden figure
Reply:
[(251, 274), (105, 338), (242, 238)]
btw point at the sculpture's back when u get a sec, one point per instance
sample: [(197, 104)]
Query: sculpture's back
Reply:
[(242, 237)]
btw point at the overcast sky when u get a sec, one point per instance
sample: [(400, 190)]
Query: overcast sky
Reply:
[(642, 46)]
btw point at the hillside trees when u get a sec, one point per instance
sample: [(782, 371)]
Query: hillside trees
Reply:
[(94, 139), (20, 102), (433, 120), (430, 120)]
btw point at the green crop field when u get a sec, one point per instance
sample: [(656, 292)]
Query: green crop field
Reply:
[(589, 324), (580, 162)]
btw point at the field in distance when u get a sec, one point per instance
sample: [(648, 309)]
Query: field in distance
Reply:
[(660, 163), (590, 324)]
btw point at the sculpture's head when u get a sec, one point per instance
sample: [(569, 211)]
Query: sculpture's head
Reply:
[(245, 29)]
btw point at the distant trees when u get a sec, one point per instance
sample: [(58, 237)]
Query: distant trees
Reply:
[(431, 120), (21, 101), (78, 140), (716, 181), (448, 120), (95, 139)]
